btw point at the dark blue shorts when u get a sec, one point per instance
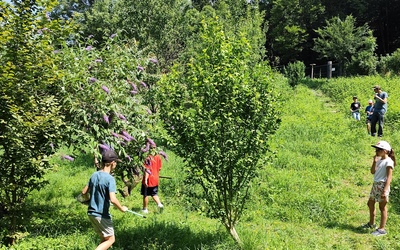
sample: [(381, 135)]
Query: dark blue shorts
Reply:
[(149, 191)]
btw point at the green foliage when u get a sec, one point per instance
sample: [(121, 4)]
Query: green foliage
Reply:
[(351, 46), (390, 64), (290, 23), (295, 72), (104, 94), (218, 107), (30, 112)]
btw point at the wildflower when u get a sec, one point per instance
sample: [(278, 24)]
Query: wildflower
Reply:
[(163, 154), (89, 48), (98, 60), (67, 157), (106, 119), (133, 92), (122, 117), (127, 135), (104, 147), (153, 60), (143, 84), (152, 143), (51, 145), (90, 36), (92, 79), (56, 51), (115, 134), (128, 157), (149, 111), (113, 35), (140, 68), (133, 86), (48, 16), (126, 138), (146, 148), (105, 89)]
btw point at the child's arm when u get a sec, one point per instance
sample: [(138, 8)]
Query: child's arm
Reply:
[(115, 201), (373, 166), (389, 173)]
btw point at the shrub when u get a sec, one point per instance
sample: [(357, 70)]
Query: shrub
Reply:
[(295, 72)]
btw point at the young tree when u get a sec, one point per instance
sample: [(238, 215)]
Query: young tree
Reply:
[(351, 46), (219, 108), (29, 111)]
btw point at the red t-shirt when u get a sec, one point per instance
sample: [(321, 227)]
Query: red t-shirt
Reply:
[(153, 169)]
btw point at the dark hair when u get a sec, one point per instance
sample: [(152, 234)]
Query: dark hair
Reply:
[(392, 156)]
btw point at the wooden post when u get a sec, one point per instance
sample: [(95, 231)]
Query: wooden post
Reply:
[(312, 70), (329, 70)]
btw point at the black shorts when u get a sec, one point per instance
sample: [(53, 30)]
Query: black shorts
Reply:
[(149, 191)]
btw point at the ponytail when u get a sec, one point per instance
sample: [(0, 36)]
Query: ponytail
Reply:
[(392, 156)]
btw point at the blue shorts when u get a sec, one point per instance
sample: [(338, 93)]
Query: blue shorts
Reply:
[(149, 191)]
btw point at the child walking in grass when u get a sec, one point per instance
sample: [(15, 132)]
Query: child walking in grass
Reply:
[(102, 190), (382, 167), (150, 181)]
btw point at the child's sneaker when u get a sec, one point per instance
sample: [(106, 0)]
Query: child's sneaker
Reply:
[(160, 208), (379, 232), (145, 211), (368, 226)]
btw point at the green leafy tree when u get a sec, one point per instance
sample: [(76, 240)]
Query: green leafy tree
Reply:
[(30, 115), (290, 26), (351, 46), (219, 108)]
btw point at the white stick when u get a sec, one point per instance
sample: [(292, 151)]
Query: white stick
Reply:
[(137, 214)]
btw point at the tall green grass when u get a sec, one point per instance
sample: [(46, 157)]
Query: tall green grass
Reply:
[(310, 194)]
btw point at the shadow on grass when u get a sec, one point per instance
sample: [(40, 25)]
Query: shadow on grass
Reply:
[(165, 235), (347, 227)]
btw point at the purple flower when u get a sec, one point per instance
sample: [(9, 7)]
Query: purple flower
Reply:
[(56, 51), (88, 47), (90, 36), (140, 68), (134, 87), (148, 163), (104, 147), (48, 16), (92, 79), (149, 111), (113, 35), (143, 84), (152, 143), (133, 92), (128, 157), (153, 60), (67, 157), (115, 134), (105, 89), (163, 154), (146, 148), (126, 138), (127, 135), (98, 60), (106, 119), (122, 117), (51, 145)]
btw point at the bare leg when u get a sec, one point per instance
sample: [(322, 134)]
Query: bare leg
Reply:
[(371, 206), (384, 214), (145, 201), (106, 242), (156, 199)]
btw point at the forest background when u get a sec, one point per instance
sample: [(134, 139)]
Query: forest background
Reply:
[(192, 77)]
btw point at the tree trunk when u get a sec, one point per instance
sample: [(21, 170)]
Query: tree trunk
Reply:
[(234, 234)]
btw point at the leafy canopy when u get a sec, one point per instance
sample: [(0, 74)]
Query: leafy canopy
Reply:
[(219, 108)]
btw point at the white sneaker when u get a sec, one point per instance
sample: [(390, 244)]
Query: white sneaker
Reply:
[(145, 211), (160, 208)]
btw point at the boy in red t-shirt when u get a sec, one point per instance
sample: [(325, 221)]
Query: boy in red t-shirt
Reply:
[(150, 179)]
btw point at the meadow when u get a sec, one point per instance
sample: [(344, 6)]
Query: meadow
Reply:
[(310, 194)]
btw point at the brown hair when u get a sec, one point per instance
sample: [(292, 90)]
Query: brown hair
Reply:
[(392, 156)]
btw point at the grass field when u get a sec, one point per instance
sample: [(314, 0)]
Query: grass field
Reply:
[(312, 194)]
